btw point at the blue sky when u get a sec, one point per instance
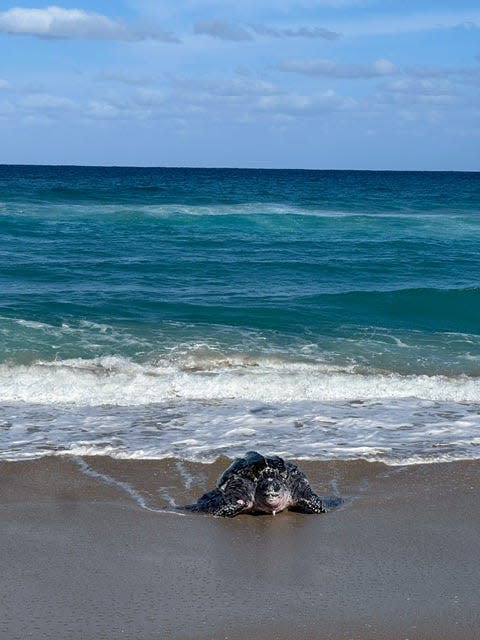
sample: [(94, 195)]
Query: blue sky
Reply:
[(276, 83)]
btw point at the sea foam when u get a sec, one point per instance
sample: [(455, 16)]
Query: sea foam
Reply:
[(122, 382), (114, 406)]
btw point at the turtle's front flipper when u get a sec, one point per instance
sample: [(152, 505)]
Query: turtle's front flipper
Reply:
[(303, 498), (236, 496), (230, 509), (217, 503), (209, 503), (310, 503)]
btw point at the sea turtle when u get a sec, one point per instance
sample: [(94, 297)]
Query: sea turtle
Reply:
[(259, 484)]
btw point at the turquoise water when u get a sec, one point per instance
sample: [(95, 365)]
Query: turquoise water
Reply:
[(320, 314)]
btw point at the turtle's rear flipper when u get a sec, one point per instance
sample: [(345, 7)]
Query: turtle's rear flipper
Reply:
[(190, 507), (332, 502)]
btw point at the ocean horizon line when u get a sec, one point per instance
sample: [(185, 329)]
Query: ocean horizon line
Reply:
[(232, 168)]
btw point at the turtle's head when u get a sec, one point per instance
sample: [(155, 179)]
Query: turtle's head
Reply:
[(272, 493)]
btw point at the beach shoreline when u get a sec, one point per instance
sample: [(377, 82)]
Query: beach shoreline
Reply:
[(91, 548)]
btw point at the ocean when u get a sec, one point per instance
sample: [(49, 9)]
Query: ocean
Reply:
[(194, 313)]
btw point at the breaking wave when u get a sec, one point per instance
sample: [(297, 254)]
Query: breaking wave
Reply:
[(119, 381)]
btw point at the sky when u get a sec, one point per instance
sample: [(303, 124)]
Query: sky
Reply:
[(314, 84)]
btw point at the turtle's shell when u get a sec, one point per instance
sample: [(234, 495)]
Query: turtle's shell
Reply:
[(251, 468)]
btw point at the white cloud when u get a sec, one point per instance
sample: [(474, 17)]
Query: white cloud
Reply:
[(419, 86), (222, 86), (210, 99), (462, 75), (222, 30), (46, 101), (7, 109), (468, 25), (298, 104), (383, 67), (300, 32), (334, 69), (416, 97), (237, 32), (56, 22), (122, 77), (412, 22), (4, 84), (102, 109)]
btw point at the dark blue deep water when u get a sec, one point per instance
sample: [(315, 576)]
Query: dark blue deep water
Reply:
[(194, 312)]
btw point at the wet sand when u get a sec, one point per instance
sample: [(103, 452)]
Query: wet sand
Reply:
[(81, 558)]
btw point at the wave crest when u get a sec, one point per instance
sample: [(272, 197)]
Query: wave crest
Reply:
[(121, 382)]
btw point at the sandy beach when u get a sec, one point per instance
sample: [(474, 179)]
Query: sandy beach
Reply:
[(82, 558)]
